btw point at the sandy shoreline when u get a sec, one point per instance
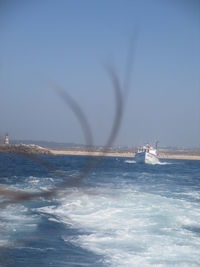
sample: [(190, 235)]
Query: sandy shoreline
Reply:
[(91, 153), (162, 155)]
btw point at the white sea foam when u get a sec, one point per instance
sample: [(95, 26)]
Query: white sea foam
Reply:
[(157, 163), (131, 228), (14, 219), (191, 195), (130, 161), (53, 220), (33, 184), (163, 163)]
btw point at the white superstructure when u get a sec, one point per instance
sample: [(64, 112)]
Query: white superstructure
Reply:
[(147, 154)]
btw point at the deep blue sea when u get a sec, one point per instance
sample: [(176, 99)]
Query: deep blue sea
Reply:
[(121, 214)]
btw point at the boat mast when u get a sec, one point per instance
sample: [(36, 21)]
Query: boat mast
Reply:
[(156, 145)]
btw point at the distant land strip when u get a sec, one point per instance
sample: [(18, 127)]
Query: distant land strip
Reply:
[(35, 149), (125, 154)]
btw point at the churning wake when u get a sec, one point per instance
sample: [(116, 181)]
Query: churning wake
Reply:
[(122, 214)]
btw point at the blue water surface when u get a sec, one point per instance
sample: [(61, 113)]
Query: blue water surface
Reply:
[(119, 214)]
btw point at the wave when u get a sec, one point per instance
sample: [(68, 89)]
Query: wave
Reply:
[(130, 161), (163, 163), (15, 219), (129, 227), (158, 163)]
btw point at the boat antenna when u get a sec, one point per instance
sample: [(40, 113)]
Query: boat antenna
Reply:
[(156, 145)]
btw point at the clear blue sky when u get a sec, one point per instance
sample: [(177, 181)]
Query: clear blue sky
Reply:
[(69, 42)]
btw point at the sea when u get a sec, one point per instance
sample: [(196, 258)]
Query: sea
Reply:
[(117, 213)]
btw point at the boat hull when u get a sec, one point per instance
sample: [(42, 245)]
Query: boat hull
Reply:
[(145, 157)]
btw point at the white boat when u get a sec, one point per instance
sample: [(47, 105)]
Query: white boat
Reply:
[(147, 154)]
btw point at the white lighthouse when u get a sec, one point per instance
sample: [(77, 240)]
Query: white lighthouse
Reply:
[(6, 140)]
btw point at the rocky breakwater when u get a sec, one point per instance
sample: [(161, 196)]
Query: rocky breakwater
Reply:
[(24, 149)]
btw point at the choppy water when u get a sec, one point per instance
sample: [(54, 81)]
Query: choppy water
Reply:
[(122, 214)]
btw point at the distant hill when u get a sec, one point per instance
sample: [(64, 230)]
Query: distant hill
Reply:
[(47, 144)]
